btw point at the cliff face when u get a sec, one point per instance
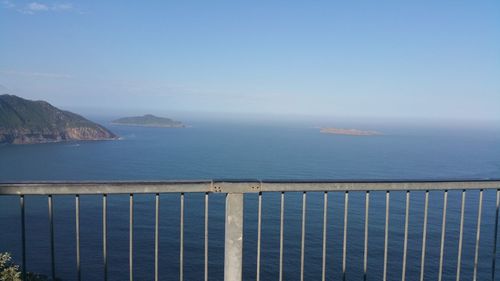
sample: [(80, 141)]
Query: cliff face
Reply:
[(32, 136), (28, 122)]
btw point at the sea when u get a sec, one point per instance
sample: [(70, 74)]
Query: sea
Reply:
[(259, 151)]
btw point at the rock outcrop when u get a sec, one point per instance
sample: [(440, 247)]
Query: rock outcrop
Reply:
[(28, 122)]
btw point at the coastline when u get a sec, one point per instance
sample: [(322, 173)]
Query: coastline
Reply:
[(149, 126)]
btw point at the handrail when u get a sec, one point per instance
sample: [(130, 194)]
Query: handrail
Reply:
[(236, 186), (234, 190)]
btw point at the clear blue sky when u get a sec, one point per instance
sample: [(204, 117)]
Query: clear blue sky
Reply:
[(397, 59)]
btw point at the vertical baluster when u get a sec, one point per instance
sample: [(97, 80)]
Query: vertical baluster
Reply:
[(405, 243), (461, 234), (52, 248), (302, 243), (105, 235), (386, 234), (131, 238), (23, 234), (259, 230), (494, 257), (157, 232), (181, 252), (365, 255), (344, 244), (52, 252), (424, 236), (206, 236), (325, 212), (443, 235), (77, 228), (282, 218), (478, 232)]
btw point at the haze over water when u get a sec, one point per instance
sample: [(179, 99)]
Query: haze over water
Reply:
[(378, 60), (253, 151)]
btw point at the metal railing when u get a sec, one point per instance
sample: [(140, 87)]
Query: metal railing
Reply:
[(235, 190)]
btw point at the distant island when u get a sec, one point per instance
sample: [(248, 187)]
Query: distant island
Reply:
[(25, 121), (149, 120), (349, 132)]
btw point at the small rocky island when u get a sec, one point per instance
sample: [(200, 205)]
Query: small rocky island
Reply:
[(28, 122), (349, 132), (149, 120)]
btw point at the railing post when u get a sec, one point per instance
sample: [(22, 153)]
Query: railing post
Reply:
[(233, 248)]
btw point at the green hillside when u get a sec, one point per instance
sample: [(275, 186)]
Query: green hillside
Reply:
[(149, 120), (26, 121)]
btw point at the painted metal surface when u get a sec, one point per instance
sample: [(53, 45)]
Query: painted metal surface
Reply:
[(136, 187), (233, 248)]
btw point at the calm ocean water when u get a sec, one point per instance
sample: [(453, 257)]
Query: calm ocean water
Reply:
[(207, 151)]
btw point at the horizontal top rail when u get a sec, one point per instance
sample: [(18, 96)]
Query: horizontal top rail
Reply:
[(236, 186)]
